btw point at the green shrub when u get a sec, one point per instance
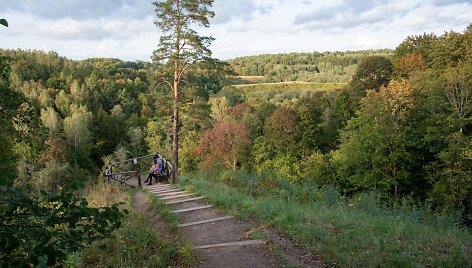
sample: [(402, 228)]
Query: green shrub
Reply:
[(329, 196)]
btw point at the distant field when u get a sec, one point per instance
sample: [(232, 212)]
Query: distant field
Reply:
[(281, 93), (253, 78), (242, 80), (284, 86)]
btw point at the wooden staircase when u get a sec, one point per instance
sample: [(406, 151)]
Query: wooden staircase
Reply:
[(196, 212)]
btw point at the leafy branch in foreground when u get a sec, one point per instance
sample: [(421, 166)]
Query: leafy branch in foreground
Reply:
[(42, 231)]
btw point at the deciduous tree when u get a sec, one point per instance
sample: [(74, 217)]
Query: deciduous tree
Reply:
[(281, 131), (372, 73), (374, 151), (226, 143)]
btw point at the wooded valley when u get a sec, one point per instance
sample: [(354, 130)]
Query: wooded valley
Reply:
[(376, 132)]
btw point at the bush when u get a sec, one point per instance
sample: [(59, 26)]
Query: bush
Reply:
[(366, 202), (329, 196)]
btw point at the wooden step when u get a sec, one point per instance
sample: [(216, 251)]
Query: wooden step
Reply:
[(185, 200), (160, 186), (163, 184), (191, 209), (160, 189), (232, 244), (176, 196), (204, 221), (171, 193), (164, 191)]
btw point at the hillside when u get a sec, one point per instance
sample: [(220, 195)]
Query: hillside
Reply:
[(326, 67)]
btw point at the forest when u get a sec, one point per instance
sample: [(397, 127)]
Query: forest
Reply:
[(326, 67), (395, 126)]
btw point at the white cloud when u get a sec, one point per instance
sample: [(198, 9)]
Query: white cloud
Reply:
[(108, 47), (229, 10), (80, 9), (124, 28)]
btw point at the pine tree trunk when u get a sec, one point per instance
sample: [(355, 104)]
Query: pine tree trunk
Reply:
[(175, 130), (175, 146)]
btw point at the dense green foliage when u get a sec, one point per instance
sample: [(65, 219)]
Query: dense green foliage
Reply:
[(326, 67), (401, 128), (62, 120), (45, 230)]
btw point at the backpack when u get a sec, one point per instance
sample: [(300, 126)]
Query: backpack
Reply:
[(158, 166)]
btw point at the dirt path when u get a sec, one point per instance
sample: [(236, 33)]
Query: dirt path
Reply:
[(221, 240)]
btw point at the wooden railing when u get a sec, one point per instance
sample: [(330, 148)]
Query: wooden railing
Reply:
[(123, 171)]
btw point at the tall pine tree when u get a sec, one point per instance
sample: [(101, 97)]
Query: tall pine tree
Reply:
[(180, 47)]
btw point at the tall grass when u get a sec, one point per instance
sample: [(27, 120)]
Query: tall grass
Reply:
[(136, 244), (104, 194), (359, 231)]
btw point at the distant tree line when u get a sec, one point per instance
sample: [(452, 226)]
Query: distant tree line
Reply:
[(326, 67)]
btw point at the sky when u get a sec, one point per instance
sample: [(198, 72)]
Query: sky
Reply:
[(125, 29)]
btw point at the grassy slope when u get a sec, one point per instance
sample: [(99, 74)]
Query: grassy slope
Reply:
[(358, 233), (137, 243)]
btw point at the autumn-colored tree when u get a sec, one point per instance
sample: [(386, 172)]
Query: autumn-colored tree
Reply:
[(281, 131), (239, 110), (56, 151), (226, 142), (411, 62)]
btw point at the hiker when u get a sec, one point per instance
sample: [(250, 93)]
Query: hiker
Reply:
[(153, 172)]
